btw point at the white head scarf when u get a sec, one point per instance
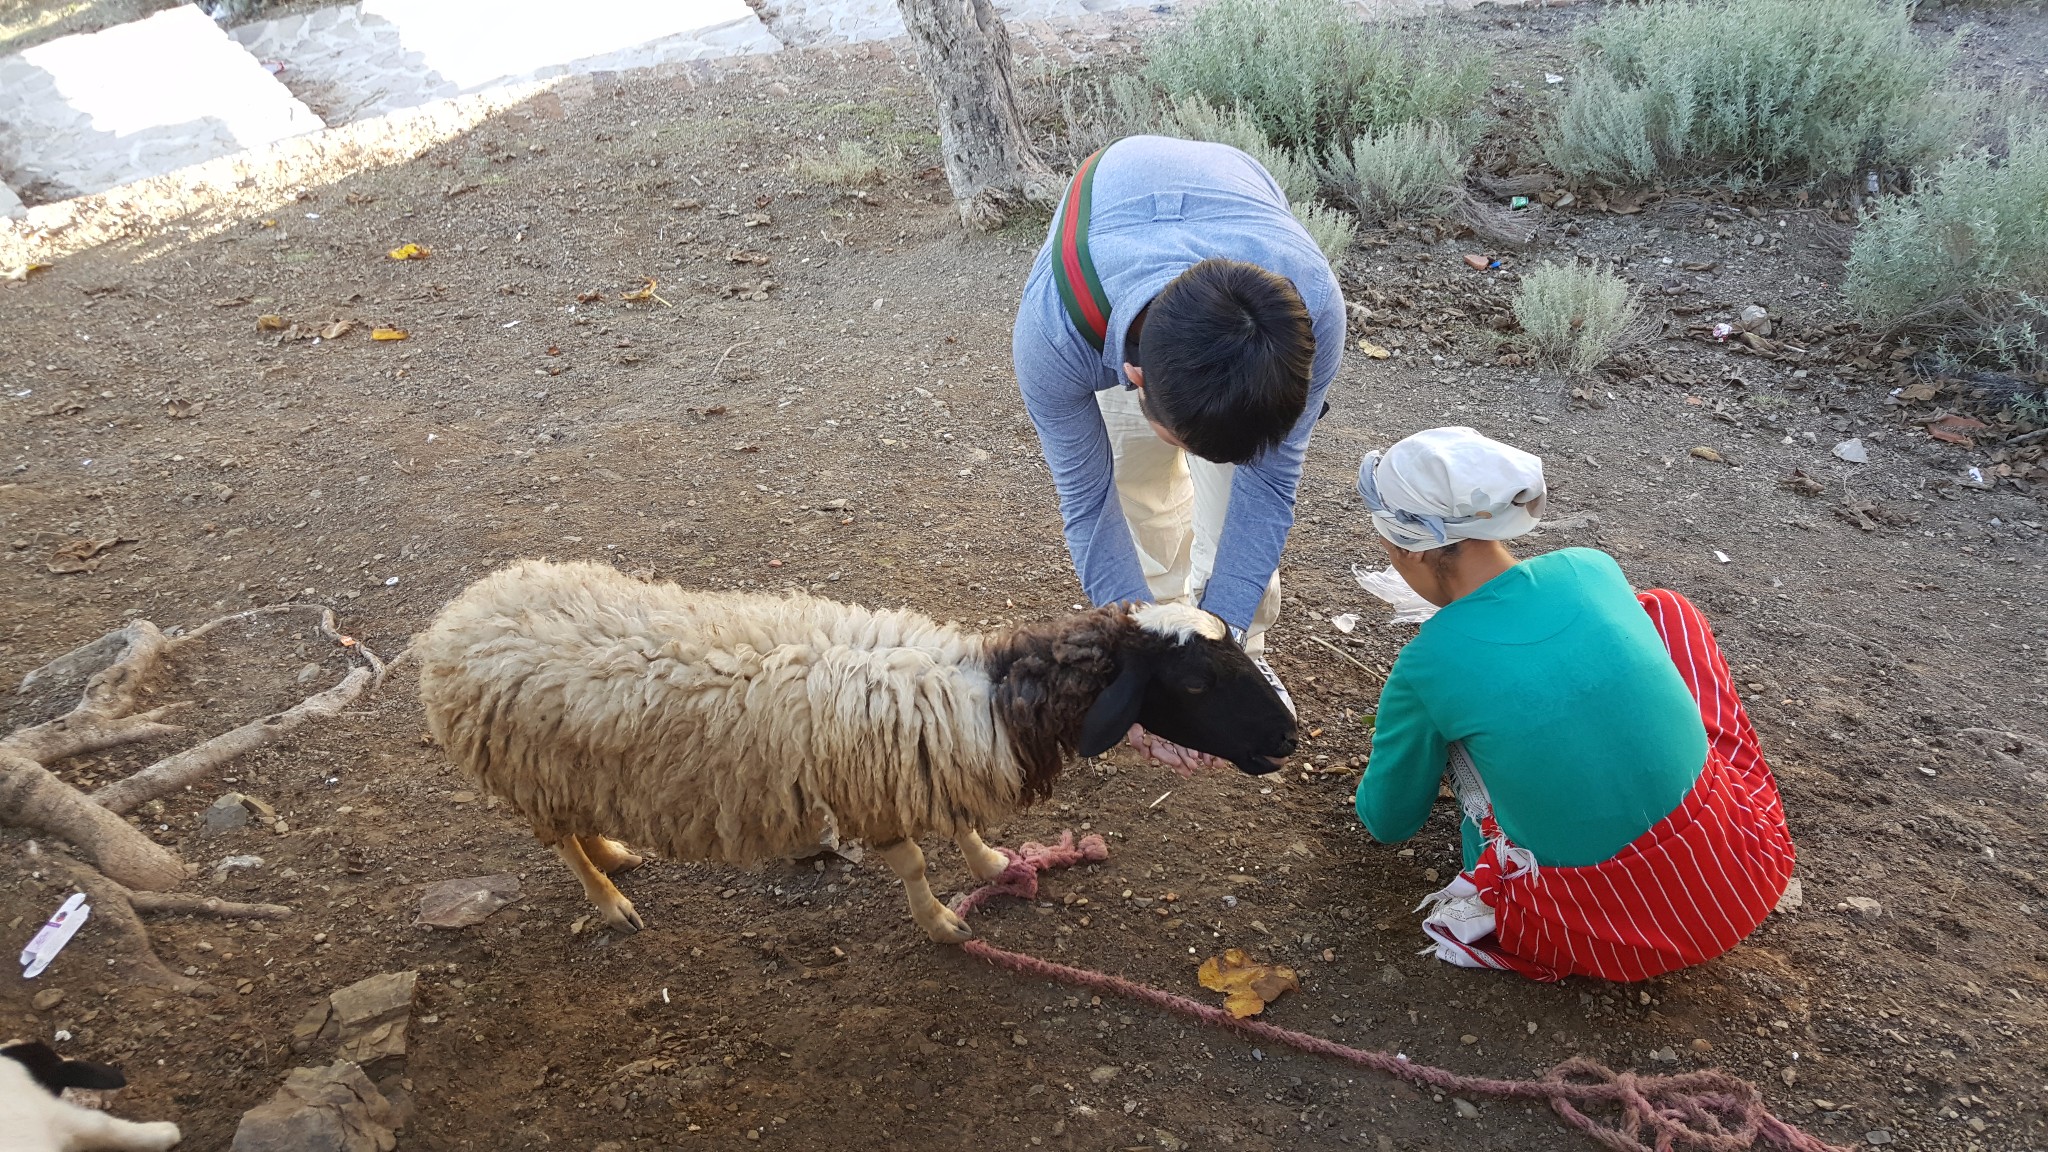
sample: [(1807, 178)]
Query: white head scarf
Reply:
[(1451, 484)]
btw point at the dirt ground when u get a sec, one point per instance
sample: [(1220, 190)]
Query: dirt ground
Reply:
[(822, 398)]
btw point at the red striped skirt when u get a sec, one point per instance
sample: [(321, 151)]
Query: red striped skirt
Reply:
[(1684, 892)]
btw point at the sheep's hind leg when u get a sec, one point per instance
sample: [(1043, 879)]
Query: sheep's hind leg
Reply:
[(984, 862), (610, 856), (938, 921), (597, 887)]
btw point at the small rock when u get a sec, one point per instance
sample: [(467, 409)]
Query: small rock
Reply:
[(1864, 908), (1705, 453), (1468, 1038), (1703, 1045), (460, 903), (1795, 895), (462, 797), (1853, 451), (332, 1109), (1878, 1136), (230, 864), (1103, 1074), (47, 999), (308, 673), (224, 815), (1466, 1108), (1665, 1055), (1392, 976), (372, 1015)]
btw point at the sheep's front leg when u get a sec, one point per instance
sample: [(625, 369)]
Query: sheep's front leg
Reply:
[(597, 887), (938, 921), (984, 862)]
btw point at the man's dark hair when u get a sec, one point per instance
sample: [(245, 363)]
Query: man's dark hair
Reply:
[(1227, 350)]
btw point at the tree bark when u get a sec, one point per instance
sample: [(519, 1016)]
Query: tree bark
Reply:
[(964, 51)]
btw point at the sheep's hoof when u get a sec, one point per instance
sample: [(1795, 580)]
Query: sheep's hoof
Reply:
[(621, 915), (945, 926)]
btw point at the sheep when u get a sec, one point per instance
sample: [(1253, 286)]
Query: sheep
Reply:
[(35, 1117), (745, 727)]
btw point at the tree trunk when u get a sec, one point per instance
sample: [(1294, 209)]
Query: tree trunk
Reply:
[(964, 51)]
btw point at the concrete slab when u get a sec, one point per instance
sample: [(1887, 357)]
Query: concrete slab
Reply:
[(85, 113), (371, 58)]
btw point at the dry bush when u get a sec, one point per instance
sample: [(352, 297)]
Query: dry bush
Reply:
[(1389, 173), (1575, 316), (851, 165), (1764, 88), (1310, 72), (1965, 255)]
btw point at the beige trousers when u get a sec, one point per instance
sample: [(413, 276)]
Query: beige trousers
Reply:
[(1175, 504)]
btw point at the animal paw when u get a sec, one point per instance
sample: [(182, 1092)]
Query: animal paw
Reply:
[(158, 1137), (945, 926), (618, 912)]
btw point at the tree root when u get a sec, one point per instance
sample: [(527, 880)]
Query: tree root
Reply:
[(132, 961), (181, 904), (32, 797)]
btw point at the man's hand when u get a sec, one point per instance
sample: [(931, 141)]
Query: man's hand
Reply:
[(1185, 761)]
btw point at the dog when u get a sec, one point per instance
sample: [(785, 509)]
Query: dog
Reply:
[(34, 1116)]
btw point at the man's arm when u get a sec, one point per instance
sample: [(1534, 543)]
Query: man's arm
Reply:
[(1408, 756), (1262, 492), (1058, 393)]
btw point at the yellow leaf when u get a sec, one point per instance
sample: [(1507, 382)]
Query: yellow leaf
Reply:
[(1708, 454), (1373, 350), (646, 292), (337, 330), (270, 323), (389, 334), (268, 223), (1247, 986), (410, 252)]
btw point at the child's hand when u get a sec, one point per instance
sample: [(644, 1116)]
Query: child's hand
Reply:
[(1185, 761)]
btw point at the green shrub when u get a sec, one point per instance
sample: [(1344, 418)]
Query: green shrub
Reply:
[(851, 165), (1397, 170), (1310, 71), (1966, 252), (1098, 114), (1574, 316), (1771, 88)]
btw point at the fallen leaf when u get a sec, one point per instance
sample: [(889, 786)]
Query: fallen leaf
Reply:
[(178, 409), (1373, 350), (1247, 987), (81, 555), (268, 222), (389, 334), (645, 293), (1706, 453), (759, 220), (589, 297), (231, 302), (743, 256), (410, 252), (1801, 483), (337, 330), (1948, 437), (1951, 429), (270, 322), (1921, 390)]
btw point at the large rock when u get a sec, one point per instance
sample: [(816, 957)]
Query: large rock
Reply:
[(84, 113), (332, 1109), (460, 903), (370, 1018)]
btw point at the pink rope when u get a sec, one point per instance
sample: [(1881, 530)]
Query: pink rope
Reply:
[(1710, 1111)]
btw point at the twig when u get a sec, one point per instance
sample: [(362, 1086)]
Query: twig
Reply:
[(722, 355), (1348, 656)]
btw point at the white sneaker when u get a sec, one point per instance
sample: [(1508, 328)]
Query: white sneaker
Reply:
[(1273, 678)]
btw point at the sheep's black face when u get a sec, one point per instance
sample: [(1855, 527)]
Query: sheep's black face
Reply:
[(1185, 680)]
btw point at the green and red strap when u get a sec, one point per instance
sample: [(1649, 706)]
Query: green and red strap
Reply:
[(1080, 288)]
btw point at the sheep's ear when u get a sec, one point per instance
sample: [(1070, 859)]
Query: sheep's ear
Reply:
[(1116, 709), (56, 1074)]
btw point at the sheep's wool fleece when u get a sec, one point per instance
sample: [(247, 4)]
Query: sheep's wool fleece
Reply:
[(712, 725)]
